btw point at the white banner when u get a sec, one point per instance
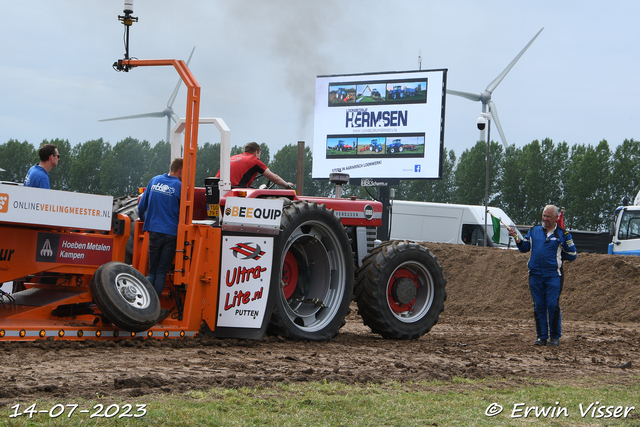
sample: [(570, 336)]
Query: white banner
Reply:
[(381, 125), (27, 205), (246, 268)]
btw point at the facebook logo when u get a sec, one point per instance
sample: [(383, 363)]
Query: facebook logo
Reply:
[(417, 168)]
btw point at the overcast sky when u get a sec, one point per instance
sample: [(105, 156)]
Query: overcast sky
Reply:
[(257, 60)]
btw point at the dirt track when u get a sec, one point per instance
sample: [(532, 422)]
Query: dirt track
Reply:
[(485, 331)]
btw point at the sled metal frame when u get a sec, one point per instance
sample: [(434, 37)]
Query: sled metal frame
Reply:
[(27, 315)]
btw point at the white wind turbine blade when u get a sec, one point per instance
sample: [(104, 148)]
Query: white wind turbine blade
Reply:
[(167, 112), (496, 120), (175, 91), (502, 75), (169, 128), (468, 95), (485, 97), (136, 116)]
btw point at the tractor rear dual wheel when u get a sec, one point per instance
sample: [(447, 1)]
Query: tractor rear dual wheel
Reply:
[(313, 284), (400, 290)]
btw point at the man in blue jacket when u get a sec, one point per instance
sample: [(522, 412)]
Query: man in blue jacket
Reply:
[(550, 245), (159, 208), (38, 175)]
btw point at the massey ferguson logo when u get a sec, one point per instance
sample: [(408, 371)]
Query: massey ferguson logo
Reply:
[(46, 250), (368, 212), (4, 202), (247, 251)]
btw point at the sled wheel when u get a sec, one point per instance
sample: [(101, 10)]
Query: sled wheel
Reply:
[(125, 296), (400, 290), (313, 245)]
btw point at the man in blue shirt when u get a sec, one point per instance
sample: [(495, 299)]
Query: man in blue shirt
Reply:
[(38, 175), (549, 245), (159, 208)]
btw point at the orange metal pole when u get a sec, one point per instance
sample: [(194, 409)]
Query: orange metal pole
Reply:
[(185, 233)]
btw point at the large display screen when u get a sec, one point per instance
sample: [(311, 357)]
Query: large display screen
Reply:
[(380, 125)]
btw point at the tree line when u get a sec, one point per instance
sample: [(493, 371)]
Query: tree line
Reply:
[(589, 181)]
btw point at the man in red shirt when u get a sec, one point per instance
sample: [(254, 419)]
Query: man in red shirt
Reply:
[(245, 167)]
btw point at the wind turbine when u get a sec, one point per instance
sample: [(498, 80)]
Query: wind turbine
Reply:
[(167, 112), (485, 97)]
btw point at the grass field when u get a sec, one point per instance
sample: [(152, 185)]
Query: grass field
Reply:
[(459, 402)]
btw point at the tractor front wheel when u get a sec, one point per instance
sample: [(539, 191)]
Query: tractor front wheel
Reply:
[(400, 290)]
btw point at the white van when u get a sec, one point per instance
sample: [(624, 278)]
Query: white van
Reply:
[(625, 231), (446, 223)]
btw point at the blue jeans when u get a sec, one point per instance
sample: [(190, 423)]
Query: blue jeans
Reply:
[(162, 250), (546, 311)]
